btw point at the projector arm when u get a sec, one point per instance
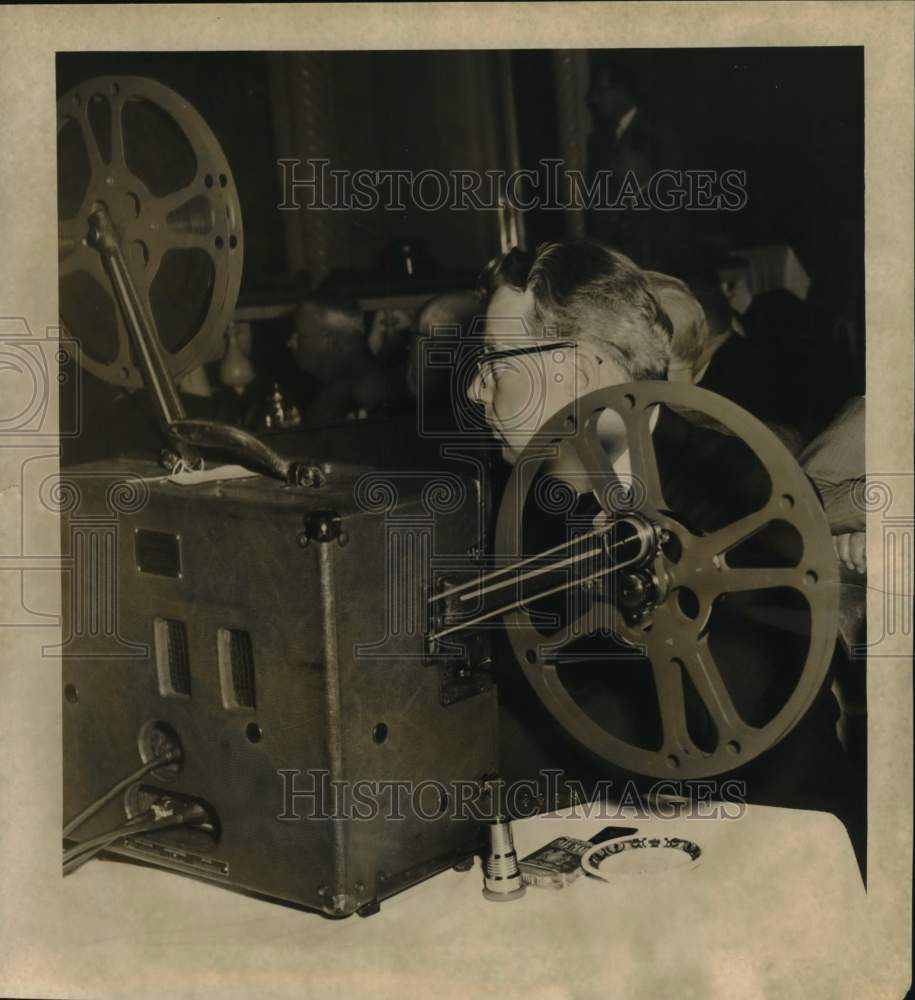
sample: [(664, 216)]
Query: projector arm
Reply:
[(186, 437)]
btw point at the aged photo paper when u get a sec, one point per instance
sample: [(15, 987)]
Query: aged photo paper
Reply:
[(270, 660)]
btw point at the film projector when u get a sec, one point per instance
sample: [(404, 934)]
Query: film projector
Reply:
[(240, 645)]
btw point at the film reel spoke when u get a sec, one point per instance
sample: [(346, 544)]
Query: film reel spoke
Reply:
[(599, 619), (729, 737), (77, 256), (96, 160), (118, 150), (717, 544), (708, 683), (182, 219), (165, 204), (671, 706), (594, 461), (605, 436), (598, 472), (643, 459), (732, 581)]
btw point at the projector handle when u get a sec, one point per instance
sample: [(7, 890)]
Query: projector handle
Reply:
[(249, 450)]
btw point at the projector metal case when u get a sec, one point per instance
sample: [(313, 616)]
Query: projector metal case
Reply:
[(245, 564)]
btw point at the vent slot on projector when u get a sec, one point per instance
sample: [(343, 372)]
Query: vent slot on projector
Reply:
[(173, 664), (236, 669)]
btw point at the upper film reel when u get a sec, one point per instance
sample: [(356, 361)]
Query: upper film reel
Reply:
[(140, 150), (753, 598)]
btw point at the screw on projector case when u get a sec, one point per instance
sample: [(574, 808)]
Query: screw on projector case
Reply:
[(558, 863)]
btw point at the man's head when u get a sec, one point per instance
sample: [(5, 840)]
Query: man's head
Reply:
[(580, 317), (701, 318), (446, 316), (612, 92), (389, 333), (734, 277), (328, 336), (689, 327), (448, 312)]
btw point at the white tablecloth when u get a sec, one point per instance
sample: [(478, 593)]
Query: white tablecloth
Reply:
[(769, 912)]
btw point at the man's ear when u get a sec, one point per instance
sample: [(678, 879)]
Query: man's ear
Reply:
[(595, 371), (583, 370), (588, 370)]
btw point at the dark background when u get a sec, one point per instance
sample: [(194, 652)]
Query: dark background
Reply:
[(792, 118)]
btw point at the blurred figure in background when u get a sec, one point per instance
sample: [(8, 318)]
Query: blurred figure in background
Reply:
[(329, 343), (627, 140), (690, 340), (802, 379), (437, 349), (834, 461), (448, 314), (389, 337), (703, 323), (710, 349)]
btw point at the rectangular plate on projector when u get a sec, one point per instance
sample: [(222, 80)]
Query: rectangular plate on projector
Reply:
[(158, 552)]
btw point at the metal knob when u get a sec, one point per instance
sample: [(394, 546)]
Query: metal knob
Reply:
[(501, 877)]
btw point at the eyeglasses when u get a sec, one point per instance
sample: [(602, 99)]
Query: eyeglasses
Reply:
[(486, 365)]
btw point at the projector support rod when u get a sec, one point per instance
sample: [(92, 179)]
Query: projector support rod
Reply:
[(644, 535), (548, 568), (461, 626), (513, 567), (140, 326), (186, 437)]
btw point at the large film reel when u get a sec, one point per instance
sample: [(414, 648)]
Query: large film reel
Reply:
[(767, 580), (140, 151)]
